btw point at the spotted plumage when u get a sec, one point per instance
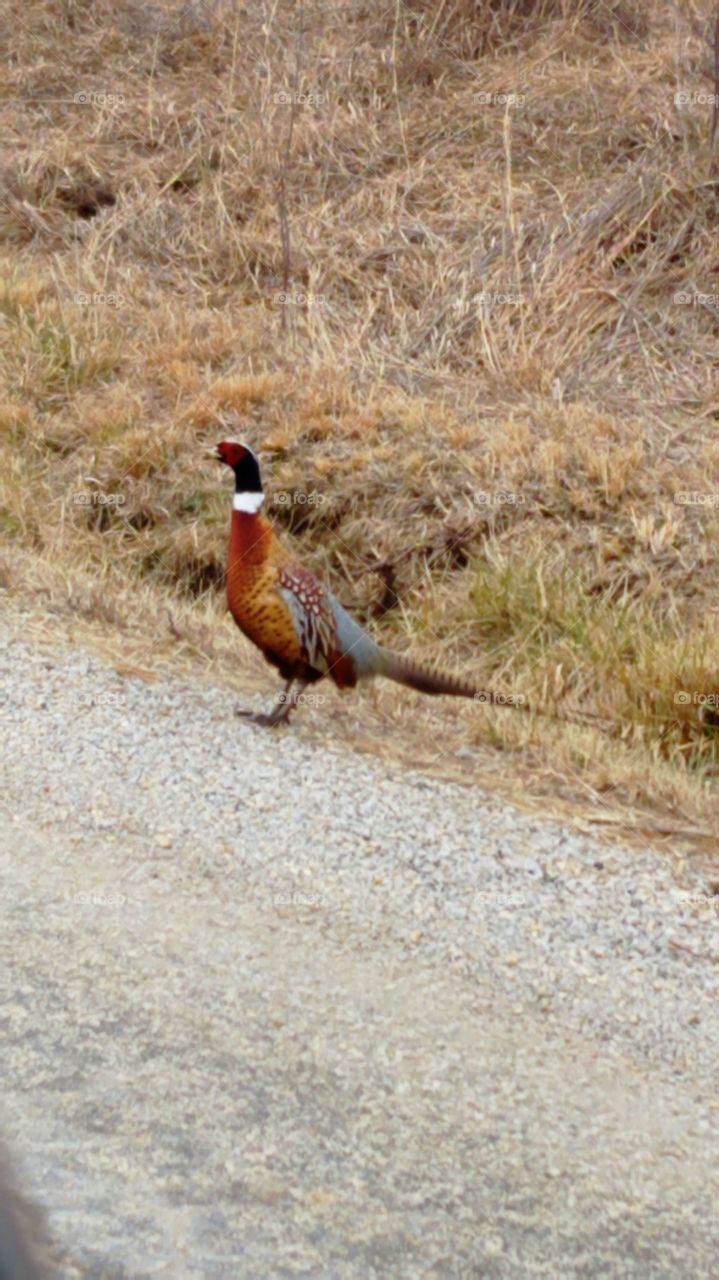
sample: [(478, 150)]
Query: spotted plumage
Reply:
[(297, 623), (312, 614)]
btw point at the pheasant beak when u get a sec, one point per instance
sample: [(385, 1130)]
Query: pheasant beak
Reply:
[(213, 453)]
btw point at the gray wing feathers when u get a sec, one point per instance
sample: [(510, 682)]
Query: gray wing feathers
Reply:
[(352, 640), (325, 628), (314, 628)]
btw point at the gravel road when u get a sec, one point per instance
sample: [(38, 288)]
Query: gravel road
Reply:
[(270, 1010)]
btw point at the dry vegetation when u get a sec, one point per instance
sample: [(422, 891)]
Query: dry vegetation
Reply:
[(489, 352)]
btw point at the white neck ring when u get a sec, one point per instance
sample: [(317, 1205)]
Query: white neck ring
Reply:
[(250, 503)]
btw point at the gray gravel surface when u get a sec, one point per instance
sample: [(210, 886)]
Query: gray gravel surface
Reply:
[(270, 1010)]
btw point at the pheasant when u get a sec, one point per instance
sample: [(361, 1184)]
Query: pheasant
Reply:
[(296, 622)]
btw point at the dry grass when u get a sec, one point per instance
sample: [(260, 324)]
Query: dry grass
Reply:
[(483, 372)]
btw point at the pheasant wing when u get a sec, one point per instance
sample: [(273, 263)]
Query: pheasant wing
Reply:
[(311, 609)]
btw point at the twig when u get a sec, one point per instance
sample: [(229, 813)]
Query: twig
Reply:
[(283, 169), (714, 136), (676, 945), (173, 629)]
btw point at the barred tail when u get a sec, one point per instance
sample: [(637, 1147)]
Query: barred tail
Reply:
[(410, 673)]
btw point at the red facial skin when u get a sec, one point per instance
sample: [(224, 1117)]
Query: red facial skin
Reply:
[(230, 452)]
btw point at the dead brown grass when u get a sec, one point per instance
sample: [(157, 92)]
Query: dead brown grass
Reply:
[(492, 374)]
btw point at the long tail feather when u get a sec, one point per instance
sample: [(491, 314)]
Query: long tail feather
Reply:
[(415, 676)]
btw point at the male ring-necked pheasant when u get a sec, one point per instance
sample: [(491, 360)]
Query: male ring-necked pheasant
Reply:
[(297, 623)]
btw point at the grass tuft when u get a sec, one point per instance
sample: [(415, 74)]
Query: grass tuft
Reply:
[(484, 388)]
